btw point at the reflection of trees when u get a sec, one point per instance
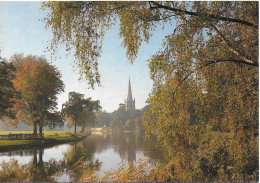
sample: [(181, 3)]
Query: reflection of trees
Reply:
[(127, 144), (151, 149), (81, 156), (44, 171), (35, 171)]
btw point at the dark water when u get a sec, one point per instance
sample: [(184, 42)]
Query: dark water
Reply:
[(101, 152)]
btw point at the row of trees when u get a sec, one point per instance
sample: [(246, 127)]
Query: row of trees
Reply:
[(121, 119), (127, 120), (28, 93), (204, 103)]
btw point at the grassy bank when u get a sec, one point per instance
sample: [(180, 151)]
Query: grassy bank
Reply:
[(46, 133), (51, 138)]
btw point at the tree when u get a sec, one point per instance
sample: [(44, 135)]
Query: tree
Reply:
[(205, 88), (204, 103), (128, 120), (79, 111), (6, 87), (38, 84), (82, 25), (103, 118)]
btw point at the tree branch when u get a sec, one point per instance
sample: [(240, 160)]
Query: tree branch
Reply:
[(226, 19), (229, 60), (232, 48), (214, 62), (156, 19)]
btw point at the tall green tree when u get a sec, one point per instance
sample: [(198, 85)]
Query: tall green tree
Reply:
[(6, 86), (38, 84), (79, 111)]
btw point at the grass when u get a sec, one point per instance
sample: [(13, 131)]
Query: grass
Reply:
[(46, 133), (50, 138), (13, 142)]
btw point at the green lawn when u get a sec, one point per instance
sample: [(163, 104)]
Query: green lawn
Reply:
[(13, 142), (46, 133), (50, 137)]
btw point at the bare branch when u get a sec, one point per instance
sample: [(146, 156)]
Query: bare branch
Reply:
[(229, 60), (226, 19), (156, 19)]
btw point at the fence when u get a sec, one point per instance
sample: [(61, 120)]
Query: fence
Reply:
[(20, 136), (17, 153)]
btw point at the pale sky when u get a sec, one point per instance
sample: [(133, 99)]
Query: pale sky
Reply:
[(22, 31)]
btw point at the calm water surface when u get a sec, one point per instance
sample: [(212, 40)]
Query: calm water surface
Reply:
[(100, 151)]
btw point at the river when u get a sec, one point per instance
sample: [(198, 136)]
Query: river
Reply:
[(101, 152)]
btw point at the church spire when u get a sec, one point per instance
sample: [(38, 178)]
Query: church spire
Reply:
[(129, 103), (129, 96)]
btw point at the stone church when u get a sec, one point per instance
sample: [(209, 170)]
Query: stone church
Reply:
[(129, 102)]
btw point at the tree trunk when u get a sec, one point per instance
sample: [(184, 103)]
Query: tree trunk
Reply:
[(40, 162), (40, 131), (75, 130), (35, 129), (34, 158), (82, 129)]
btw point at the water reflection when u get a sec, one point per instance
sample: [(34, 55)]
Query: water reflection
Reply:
[(35, 171), (99, 152)]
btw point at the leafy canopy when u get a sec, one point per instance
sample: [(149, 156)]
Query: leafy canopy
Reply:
[(38, 84), (211, 26), (6, 86), (78, 110), (204, 103)]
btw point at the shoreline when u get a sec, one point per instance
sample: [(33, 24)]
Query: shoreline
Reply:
[(47, 141)]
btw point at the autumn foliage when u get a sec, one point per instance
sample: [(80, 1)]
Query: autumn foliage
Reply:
[(204, 104), (37, 83)]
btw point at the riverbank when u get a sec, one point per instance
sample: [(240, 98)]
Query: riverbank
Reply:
[(47, 141)]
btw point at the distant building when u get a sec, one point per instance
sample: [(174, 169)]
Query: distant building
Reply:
[(129, 102)]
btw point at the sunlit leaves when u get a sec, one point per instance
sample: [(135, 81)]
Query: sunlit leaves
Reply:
[(204, 88), (81, 25), (205, 75)]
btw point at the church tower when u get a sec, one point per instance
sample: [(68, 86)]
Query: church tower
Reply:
[(129, 103)]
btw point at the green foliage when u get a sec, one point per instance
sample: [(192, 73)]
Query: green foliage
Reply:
[(103, 119), (6, 87), (79, 111), (126, 120)]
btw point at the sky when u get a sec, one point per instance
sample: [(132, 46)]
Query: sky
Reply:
[(22, 30)]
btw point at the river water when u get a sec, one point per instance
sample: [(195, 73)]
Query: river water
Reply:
[(101, 152)]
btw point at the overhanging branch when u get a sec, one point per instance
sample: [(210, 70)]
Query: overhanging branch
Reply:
[(214, 62), (229, 60), (226, 19), (243, 57)]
